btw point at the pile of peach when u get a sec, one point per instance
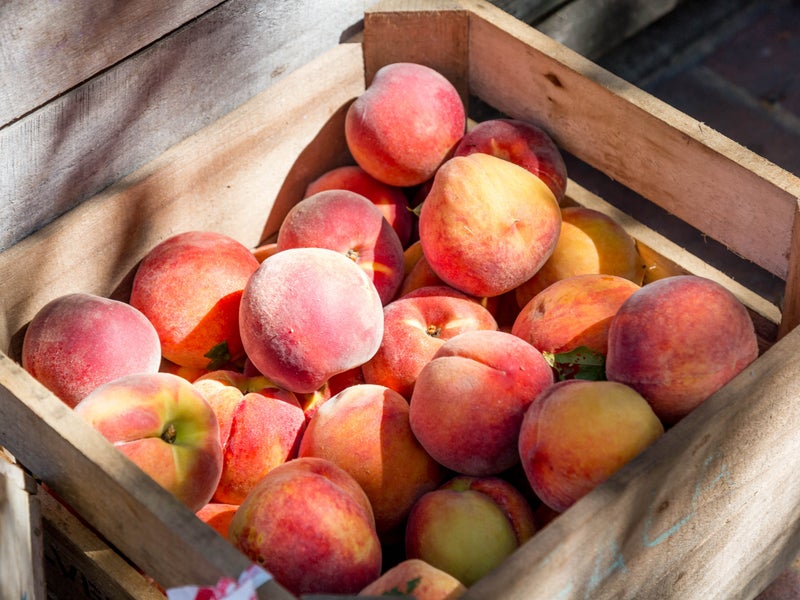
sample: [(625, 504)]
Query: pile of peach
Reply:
[(434, 357)]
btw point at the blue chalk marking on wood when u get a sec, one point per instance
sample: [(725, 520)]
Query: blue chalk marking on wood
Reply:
[(699, 488)]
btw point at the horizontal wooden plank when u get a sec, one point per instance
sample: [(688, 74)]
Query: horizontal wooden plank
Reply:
[(39, 61), (101, 130)]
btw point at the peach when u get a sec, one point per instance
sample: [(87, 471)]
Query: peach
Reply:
[(165, 426), (677, 341), (468, 526), (487, 225), (470, 398), (310, 524), (521, 143), (260, 428), (78, 341), (365, 430), (390, 200), (188, 373), (573, 312), (308, 314), (348, 223), (419, 275), (218, 516), (405, 124), (414, 327), (579, 433), (189, 286), (416, 578), (590, 242)]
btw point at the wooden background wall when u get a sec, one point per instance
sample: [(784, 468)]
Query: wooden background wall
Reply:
[(90, 90)]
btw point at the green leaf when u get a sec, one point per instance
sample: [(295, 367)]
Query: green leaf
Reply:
[(580, 363), (411, 585), (218, 356)]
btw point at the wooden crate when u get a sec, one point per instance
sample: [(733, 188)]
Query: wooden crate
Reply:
[(709, 511)]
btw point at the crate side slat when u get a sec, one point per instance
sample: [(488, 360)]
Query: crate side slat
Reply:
[(230, 177), (39, 61), (687, 168), (711, 510), (140, 518), (415, 31)]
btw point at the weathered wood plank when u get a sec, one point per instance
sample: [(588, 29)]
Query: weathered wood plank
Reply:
[(21, 549), (46, 48), (81, 142)]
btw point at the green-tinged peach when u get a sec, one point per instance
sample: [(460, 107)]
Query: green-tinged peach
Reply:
[(468, 526), (163, 424)]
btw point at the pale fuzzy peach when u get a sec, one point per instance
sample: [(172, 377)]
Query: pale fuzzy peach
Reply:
[(364, 429), (405, 124), (164, 425), (389, 199), (310, 525), (189, 286), (348, 223), (416, 578), (470, 398), (260, 428), (579, 433), (78, 341), (573, 312), (308, 314), (415, 327), (487, 225), (590, 242)]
